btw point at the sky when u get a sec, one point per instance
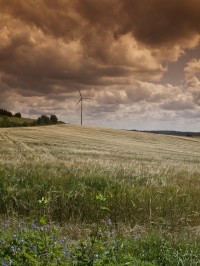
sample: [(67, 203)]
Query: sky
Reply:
[(138, 61)]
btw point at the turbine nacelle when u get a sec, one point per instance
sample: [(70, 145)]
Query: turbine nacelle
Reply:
[(81, 101)]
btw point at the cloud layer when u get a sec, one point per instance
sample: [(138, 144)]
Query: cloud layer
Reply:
[(116, 51)]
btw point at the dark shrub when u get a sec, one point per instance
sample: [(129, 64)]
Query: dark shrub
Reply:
[(18, 115), (53, 119)]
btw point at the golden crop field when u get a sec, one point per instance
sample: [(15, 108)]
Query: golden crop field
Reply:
[(148, 185), (92, 160), (70, 143)]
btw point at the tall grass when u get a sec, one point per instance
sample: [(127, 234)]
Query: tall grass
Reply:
[(132, 198), (149, 184)]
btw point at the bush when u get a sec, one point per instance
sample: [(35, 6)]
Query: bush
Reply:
[(53, 119), (18, 115), (5, 112)]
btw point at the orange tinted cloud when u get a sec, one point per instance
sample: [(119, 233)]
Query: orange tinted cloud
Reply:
[(114, 49)]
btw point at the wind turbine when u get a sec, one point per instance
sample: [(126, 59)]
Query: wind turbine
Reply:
[(81, 101)]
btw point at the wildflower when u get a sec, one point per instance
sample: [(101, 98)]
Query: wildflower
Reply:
[(64, 251), (34, 225), (35, 248), (110, 233), (52, 237), (19, 249), (109, 222), (136, 236), (21, 224), (12, 249), (96, 256), (7, 223)]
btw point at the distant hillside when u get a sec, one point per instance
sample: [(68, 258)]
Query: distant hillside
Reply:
[(17, 119), (172, 132), (7, 119)]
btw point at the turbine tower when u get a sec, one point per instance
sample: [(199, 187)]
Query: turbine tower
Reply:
[(81, 101)]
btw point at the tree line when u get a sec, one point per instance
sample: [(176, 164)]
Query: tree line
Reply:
[(42, 120), (4, 112)]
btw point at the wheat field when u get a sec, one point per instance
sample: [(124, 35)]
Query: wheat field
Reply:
[(118, 197), (65, 143), (147, 178)]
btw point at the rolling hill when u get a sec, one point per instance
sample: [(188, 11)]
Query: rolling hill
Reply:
[(17, 119), (146, 185), (97, 145)]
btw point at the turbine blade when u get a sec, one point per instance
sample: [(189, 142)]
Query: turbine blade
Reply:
[(80, 93), (78, 102)]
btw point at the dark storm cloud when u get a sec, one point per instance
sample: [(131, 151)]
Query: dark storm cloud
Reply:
[(150, 21), (158, 22), (50, 48)]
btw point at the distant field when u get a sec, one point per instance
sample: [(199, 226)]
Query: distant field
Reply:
[(18, 120), (130, 150), (146, 180)]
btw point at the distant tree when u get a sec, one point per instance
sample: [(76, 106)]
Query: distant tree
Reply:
[(4, 112), (18, 115), (39, 120), (43, 120), (33, 123), (53, 119)]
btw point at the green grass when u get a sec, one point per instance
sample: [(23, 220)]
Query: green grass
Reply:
[(150, 181), (25, 244), (18, 120)]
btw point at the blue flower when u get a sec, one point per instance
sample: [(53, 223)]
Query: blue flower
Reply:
[(109, 222), (136, 236), (12, 249), (7, 223), (64, 251), (34, 225)]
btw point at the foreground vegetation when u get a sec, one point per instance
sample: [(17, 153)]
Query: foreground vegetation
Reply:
[(145, 185), (35, 244)]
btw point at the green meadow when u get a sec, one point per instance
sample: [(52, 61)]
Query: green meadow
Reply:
[(16, 119), (122, 198)]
